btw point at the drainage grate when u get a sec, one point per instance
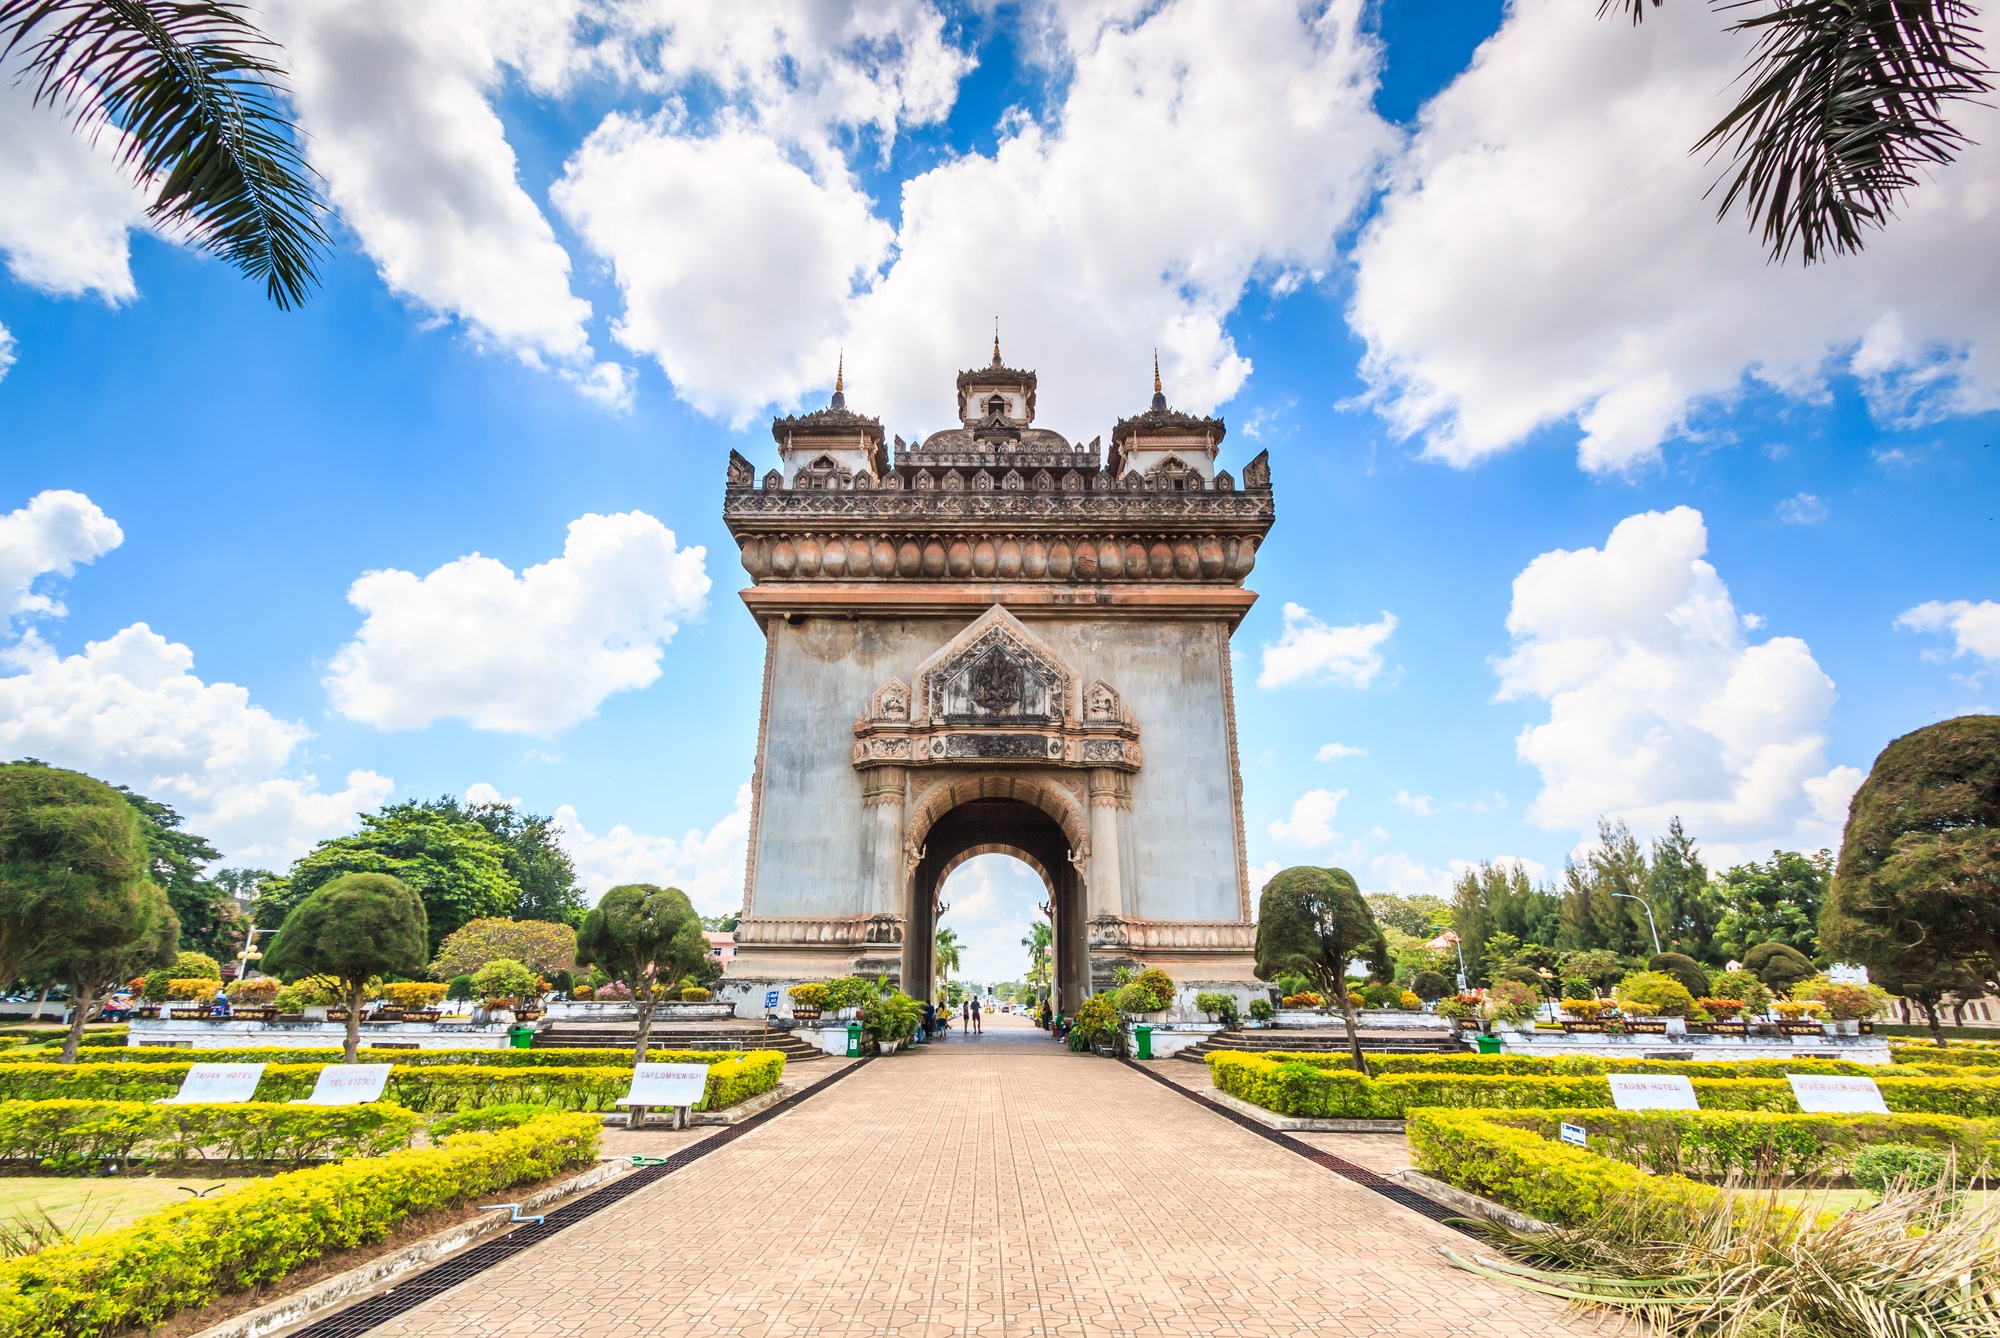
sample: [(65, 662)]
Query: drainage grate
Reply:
[(1360, 1175), (414, 1291)]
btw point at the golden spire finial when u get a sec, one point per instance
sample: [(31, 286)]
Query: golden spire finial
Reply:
[(840, 373), (996, 341), (1156, 371)]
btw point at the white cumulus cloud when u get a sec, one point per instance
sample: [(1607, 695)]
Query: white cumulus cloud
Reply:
[(54, 532), (68, 208), (1659, 706), (130, 709), (1803, 509), (1332, 752), (1311, 651), (532, 653), (1309, 823), (1975, 628), (1549, 254), (707, 865)]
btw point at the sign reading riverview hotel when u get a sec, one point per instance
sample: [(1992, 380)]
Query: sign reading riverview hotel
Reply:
[(1819, 1095), (1651, 1091)]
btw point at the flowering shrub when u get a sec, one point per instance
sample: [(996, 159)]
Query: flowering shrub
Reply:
[(507, 979), (1654, 994), (1584, 1010), (414, 995), (616, 992), (193, 987), (848, 992), (1304, 999), (1261, 1010), (1510, 1001), (1721, 1010), (1792, 1012), (807, 996), (1742, 985), (1843, 1002), (693, 994), (254, 993), (1408, 1001), (1097, 1022), (1150, 991)]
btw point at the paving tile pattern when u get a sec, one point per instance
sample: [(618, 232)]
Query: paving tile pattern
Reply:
[(995, 1186)]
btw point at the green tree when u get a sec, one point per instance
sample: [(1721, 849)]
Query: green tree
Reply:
[(103, 953), (199, 103), (456, 866), (1419, 915), (352, 928), (536, 862), (1777, 901), (1314, 922), (75, 866), (1682, 897), (1594, 911), (639, 933), (1845, 105), (1917, 894), (1041, 961), (1501, 899), (947, 954), (541, 944), (209, 916)]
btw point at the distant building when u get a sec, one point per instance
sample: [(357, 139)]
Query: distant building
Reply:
[(721, 945)]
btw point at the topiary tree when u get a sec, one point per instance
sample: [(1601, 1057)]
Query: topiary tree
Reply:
[(100, 955), (1654, 994), (458, 988), (1779, 966), (1314, 922), (638, 933), (504, 979), (1430, 986), (1683, 968), (1916, 896), (358, 926)]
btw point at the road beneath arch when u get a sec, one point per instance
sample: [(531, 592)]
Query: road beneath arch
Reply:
[(993, 1186)]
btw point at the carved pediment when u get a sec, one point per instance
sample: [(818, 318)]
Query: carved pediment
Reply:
[(996, 694)]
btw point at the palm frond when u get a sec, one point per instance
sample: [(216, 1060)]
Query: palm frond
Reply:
[(1846, 101), (200, 106)]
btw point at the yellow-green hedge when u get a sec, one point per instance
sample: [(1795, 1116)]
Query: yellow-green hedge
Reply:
[(1579, 1066), (66, 1134), (733, 1076), (191, 1253), (272, 1054), (1292, 1087)]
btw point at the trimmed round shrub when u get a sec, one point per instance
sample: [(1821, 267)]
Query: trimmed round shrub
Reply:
[(1683, 968), (1779, 965), (807, 995), (506, 979), (459, 987), (1430, 985), (255, 992), (413, 995), (1150, 991), (1381, 995), (693, 994), (190, 964), (157, 986), (1879, 1166), (1654, 994), (1261, 1010)]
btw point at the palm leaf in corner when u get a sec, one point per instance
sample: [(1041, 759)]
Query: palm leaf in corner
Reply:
[(199, 104)]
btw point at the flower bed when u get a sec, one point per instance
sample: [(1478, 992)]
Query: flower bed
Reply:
[(1296, 1088), (61, 1135), (187, 1255)]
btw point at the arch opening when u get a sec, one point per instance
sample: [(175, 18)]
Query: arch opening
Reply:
[(986, 826)]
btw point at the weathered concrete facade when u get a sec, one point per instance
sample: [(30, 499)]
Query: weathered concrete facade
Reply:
[(996, 641)]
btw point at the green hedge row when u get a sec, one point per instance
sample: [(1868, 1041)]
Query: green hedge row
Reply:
[(191, 1253), (1519, 1168), (1759, 1146), (61, 1135), (1579, 1066), (732, 1076), (504, 1059), (1295, 1088)]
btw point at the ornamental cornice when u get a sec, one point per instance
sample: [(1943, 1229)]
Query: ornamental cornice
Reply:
[(1109, 931)]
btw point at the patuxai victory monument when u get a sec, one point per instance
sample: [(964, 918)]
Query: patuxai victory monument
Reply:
[(996, 640)]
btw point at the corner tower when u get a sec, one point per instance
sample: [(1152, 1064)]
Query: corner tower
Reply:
[(996, 640)]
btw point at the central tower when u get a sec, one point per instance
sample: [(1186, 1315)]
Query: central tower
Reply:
[(996, 640)]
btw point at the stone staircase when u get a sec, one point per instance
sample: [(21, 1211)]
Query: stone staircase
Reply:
[(1412, 1041), (625, 1035)]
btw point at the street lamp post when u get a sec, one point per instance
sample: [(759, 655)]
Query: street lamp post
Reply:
[(1649, 918)]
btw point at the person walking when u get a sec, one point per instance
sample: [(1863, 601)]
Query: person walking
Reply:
[(976, 1029)]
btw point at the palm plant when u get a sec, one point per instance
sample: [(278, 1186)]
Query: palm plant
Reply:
[(1917, 1262), (946, 958), (1844, 101), (199, 109)]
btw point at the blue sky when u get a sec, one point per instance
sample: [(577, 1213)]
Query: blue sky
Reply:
[(1583, 508)]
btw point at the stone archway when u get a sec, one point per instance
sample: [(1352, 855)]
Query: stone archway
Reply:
[(999, 825)]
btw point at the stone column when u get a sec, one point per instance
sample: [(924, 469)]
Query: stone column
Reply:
[(882, 794), (1111, 854)]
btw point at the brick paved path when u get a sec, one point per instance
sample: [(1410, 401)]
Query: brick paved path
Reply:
[(993, 1186)]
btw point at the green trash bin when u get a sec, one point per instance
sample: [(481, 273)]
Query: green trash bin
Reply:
[(1144, 1033), (521, 1037), (854, 1040), (1488, 1045)]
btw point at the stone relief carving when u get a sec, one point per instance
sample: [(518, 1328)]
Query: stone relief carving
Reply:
[(741, 473)]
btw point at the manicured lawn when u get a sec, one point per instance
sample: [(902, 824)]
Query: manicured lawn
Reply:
[(83, 1206), (1842, 1200)]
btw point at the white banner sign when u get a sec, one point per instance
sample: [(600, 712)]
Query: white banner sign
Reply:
[(666, 1085), (1837, 1096), (1574, 1133), (348, 1085), (216, 1083), (1652, 1091)]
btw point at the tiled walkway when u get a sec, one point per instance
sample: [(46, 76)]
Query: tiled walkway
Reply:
[(993, 1186)]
